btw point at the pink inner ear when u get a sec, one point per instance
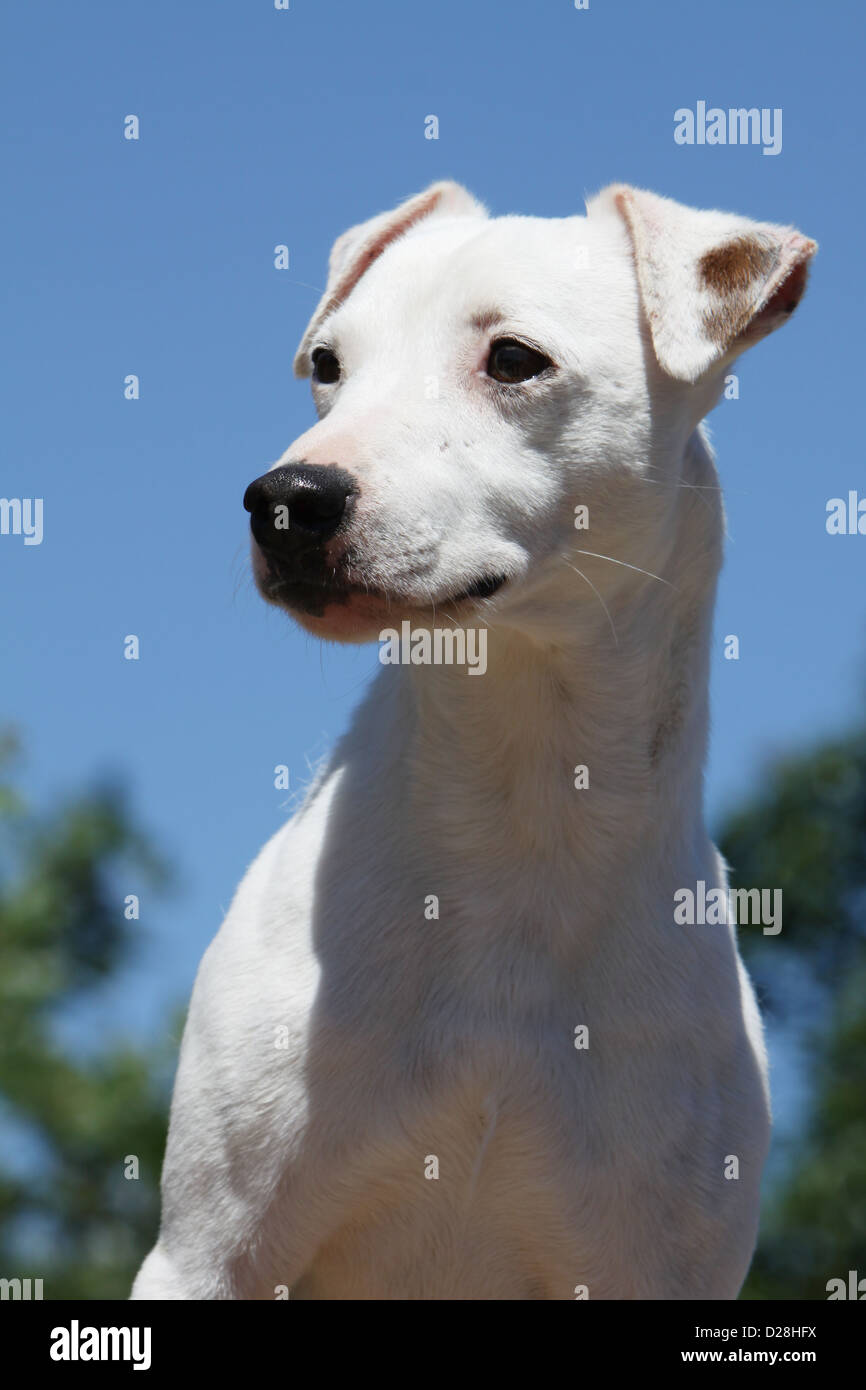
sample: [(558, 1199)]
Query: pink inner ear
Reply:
[(373, 249), (785, 299)]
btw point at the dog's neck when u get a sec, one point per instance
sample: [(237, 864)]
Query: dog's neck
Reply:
[(494, 760)]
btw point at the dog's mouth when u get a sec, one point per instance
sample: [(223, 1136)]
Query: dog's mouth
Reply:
[(337, 608), (312, 595), (481, 588)]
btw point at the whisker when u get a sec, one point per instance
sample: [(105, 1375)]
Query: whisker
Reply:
[(597, 594), (693, 487), (626, 565), (696, 487), (303, 283)]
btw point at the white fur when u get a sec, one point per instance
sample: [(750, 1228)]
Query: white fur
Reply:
[(304, 1166)]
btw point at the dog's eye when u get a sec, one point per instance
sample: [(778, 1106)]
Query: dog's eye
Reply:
[(326, 366), (510, 361)]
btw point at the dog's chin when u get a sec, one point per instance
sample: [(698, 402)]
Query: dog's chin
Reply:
[(347, 617), (337, 613)]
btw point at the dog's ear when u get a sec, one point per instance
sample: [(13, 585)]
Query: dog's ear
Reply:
[(711, 283), (355, 251)]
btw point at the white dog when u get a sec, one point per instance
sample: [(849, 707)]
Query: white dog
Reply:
[(451, 1042)]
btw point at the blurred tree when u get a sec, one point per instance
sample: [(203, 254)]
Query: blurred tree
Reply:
[(806, 834), (68, 1214)]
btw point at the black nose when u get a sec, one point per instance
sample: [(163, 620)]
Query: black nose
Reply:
[(298, 504)]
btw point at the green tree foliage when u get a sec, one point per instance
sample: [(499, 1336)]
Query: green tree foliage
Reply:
[(68, 1214), (806, 834)]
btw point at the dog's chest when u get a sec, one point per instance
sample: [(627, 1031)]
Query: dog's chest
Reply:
[(511, 1154), (464, 1089)]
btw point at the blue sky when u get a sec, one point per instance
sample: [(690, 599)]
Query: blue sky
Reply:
[(155, 257)]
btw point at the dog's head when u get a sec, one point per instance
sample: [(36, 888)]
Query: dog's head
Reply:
[(499, 396)]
